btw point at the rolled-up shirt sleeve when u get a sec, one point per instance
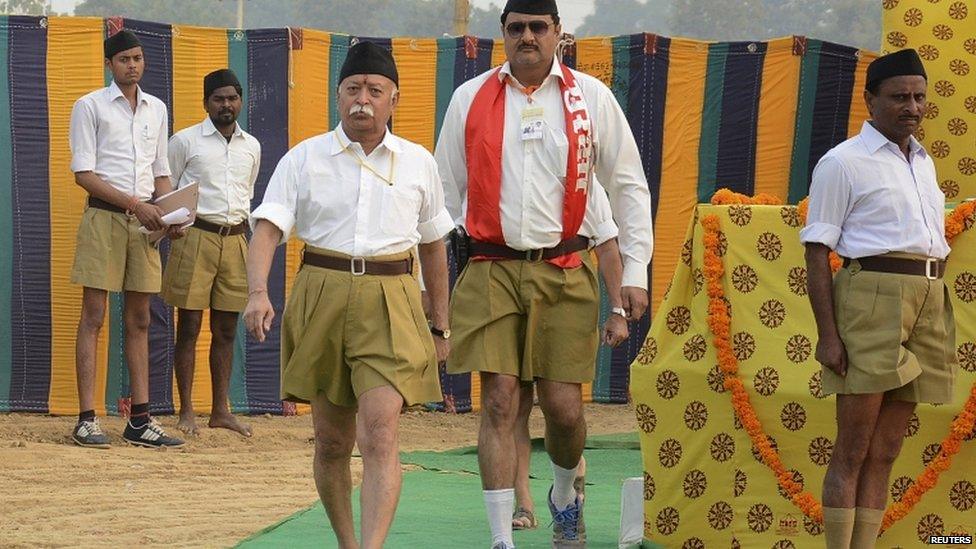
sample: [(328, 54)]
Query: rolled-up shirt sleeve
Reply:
[(598, 225), (280, 198), (160, 167), (830, 203), (434, 219), (81, 136)]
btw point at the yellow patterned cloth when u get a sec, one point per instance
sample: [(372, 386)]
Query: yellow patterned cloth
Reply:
[(944, 33), (704, 485)]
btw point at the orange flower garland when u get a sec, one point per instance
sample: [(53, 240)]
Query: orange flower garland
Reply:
[(719, 322)]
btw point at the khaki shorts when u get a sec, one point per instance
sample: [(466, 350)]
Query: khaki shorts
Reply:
[(343, 335), (111, 254), (527, 319), (899, 333), (206, 270)]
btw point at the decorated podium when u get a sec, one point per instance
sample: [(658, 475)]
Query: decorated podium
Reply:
[(735, 443)]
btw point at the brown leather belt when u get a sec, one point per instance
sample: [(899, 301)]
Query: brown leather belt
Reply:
[(358, 265), (932, 269), (222, 230), (565, 247), (103, 205)]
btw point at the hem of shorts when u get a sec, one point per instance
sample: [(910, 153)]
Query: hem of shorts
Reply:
[(464, 370), (877, 384), (104, 287)]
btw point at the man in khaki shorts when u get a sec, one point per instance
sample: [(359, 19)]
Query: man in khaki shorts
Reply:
[(206, 268), (118, 141), (517, 153), (885, 325), (354, 332)]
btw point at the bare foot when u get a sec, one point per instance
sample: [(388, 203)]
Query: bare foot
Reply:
[(228, 421), (187, 423)]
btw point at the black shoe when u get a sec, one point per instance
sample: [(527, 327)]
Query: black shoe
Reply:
[(89, 434), (150, 435)]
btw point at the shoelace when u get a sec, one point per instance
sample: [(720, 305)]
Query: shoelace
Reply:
[(92, 427), (568, 521)]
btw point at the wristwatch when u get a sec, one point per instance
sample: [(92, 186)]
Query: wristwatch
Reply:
[(444, 334), (619, 311)]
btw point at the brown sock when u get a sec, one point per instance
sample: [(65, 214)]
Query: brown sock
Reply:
[(867, 523), (838, 525)]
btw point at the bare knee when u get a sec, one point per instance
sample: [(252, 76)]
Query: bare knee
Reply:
[(378, 438), (329, 447), (564, 418), (847, 460), (883, 453), (92, 317), (188, 327), (137, 320), (500, 406)]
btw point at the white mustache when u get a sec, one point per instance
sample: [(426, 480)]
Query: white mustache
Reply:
[(365, 109)]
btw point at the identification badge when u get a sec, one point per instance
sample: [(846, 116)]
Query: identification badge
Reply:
[(533, 122)]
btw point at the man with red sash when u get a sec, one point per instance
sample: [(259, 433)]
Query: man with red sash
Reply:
[(517, 152)]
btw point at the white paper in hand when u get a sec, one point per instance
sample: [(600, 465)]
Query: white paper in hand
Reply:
[(179, 216)]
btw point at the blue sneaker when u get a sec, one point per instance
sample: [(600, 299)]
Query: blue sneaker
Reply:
[(568, 528)]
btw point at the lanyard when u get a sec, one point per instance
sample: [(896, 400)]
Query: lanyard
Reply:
[(365, 165)]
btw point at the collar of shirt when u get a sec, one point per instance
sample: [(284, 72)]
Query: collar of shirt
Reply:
[(506, 74), (341, 141), (875, 140), (208, 128), (115, 92)]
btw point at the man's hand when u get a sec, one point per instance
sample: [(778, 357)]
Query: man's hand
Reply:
[(635, 301), (832, 354), (258, 315), (149, 215), (443, 348), (175, 232), (615, 330)]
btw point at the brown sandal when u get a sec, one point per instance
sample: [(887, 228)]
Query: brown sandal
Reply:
[(522, 515)]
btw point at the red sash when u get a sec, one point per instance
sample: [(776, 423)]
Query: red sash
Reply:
[(484, 133)]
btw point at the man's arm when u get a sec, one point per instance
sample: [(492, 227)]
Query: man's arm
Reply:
[(830, 347), (260, 253), (619, 168), (615, 331), (433, 259)]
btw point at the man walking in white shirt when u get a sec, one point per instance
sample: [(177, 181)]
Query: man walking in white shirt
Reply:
[(353, 333), (118, 155), (885, 323), (206, 268), (517, 153)]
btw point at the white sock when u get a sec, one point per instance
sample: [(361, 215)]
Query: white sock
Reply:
[(500, 505), (563, 493)]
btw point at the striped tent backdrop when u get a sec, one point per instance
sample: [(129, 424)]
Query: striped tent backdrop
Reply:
[(751, 116)]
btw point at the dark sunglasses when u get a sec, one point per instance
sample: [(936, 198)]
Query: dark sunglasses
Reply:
[(517, 28)]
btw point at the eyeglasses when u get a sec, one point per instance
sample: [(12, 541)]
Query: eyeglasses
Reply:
[(517, 29)]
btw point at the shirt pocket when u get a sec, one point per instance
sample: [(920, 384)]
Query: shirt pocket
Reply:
[(555, 151), (401, 209)]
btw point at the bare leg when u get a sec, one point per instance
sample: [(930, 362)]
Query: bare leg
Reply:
[(857, 416), (562, 405), (335, 435), (223, 326), (187, 330), (523, 447), (376, 435), (136, 314), (496, 436), (86, 345), (889, 432)]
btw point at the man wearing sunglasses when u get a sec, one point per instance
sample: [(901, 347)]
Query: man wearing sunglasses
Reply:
[(518, 150)]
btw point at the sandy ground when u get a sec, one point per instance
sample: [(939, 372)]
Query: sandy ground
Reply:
[(214, 492)]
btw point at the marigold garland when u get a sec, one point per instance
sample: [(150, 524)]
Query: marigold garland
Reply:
[(719, 322)]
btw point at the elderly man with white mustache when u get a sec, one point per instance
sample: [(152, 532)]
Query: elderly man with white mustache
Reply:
[(354, 332)]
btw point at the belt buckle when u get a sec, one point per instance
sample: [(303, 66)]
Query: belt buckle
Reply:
[(224, 230), (360, 269), (932, 264), (535, 256)]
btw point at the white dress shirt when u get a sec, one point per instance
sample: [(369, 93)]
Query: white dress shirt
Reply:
[(867, 199), (327, 195), (126, 149), (533, 171), (225, 170)]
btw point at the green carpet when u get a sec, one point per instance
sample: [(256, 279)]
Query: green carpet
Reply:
[(441, 504)]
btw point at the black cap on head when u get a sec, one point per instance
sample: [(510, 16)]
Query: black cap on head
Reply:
[(218, 79), (120, 41), (901, 63), (532, 7), (368, 58)]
